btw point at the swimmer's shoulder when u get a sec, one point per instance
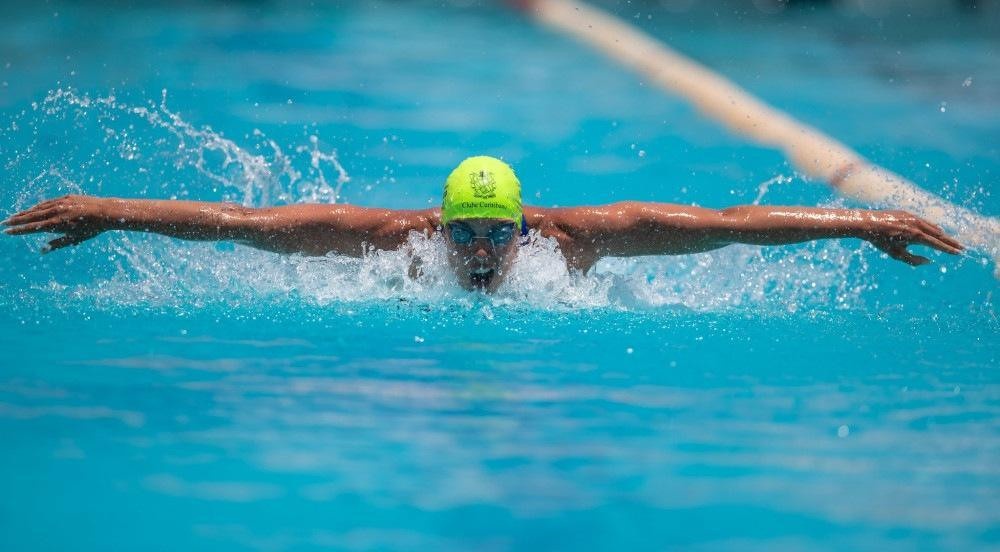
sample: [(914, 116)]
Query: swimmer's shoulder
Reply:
[(549, 221), (571, 227)]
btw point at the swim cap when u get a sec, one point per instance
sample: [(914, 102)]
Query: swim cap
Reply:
[(481, 187)]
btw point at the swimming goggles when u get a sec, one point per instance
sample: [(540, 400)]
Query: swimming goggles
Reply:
[(498, 235)]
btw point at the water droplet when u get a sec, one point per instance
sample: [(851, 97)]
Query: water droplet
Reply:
[(629, 351), (418, 339), (843, 431), (944, 107), (967, 82)]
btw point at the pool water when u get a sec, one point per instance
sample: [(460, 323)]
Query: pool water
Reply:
[(161, 395)]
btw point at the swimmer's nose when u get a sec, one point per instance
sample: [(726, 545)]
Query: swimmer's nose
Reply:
[(478, 257)]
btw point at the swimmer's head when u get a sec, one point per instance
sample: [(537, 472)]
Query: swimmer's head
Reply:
[(481, 188), (481, 217)]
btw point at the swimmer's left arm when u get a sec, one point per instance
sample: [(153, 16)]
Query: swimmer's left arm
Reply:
[(637, 228)]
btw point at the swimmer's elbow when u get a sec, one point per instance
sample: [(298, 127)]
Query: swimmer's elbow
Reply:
[(738, 214), (687, 221), (280, 229)]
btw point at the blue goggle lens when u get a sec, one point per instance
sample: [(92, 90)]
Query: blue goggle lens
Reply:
[(498, 235)]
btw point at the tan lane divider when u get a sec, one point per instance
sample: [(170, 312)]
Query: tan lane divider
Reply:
[(811, 152)]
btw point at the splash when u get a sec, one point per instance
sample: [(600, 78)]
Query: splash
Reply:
[(98, 144), (104, 146)]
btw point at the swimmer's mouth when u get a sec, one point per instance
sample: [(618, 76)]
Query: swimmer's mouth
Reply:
[(481, 277)]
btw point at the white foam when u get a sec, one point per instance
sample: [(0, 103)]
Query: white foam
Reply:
[(157, 271)]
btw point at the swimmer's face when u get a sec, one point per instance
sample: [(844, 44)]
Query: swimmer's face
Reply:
[(481, 251)]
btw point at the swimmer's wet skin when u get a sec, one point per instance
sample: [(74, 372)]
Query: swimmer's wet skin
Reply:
[(480, 217)]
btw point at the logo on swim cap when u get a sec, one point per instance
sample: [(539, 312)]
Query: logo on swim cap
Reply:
[(481, 187), (483, 184)]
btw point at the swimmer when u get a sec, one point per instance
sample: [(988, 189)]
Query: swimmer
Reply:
[(483, 222)]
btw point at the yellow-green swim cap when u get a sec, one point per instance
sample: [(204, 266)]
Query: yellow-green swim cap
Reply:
[(481, 187)]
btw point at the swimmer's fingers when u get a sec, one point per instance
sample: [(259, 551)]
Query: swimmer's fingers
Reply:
[(909, 258), (938, 234), (895, 245), (31, 215), (917, 230), (37, 208), (939, 244), (894, 231), (69, 207), (67, 240), (47, 225), (70, 214), (897, 250)]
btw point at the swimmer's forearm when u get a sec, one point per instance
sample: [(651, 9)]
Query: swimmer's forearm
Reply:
[(646, 228), (769, 225), (189, 220)]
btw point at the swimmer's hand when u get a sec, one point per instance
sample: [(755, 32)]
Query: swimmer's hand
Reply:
[(894, 231), (77, 217)]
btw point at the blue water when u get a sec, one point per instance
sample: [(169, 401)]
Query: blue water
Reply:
[(162, 395)]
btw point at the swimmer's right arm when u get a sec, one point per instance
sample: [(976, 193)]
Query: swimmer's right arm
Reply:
[(311, 229)]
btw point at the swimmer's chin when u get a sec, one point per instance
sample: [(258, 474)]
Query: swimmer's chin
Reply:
[(484, 280)]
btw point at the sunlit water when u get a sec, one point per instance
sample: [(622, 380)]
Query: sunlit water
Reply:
[(159, 394)]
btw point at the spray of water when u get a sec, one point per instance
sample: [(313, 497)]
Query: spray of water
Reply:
[(75, 143)]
